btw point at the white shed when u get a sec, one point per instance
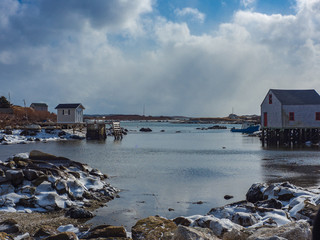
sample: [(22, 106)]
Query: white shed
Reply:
[(70, 113), (291, 109)]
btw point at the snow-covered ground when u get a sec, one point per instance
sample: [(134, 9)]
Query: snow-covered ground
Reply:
[(42, 136)]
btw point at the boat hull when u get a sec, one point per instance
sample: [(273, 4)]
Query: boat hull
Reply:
[(250, 129)]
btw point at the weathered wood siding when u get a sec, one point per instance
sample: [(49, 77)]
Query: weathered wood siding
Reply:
[(75, 116), (274, 118), (304, 116)]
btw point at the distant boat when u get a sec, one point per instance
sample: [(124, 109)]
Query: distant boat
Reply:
[(247, 128)]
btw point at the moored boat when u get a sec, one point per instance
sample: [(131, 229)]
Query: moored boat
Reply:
[(247, 128)]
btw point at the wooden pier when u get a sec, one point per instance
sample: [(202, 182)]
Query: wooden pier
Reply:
[(289, 136), (117, 131), (96, 130)]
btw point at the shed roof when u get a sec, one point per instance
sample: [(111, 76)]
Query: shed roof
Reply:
[(69, 105), (297, 97), (39, 104)]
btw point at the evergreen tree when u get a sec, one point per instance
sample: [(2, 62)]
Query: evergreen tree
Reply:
[(4, 103)]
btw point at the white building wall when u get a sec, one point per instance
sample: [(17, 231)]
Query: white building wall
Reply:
[(274, 117), (304, 116), (63, 115)]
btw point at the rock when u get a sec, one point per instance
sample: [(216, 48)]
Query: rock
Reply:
[(50, 201), (145, 130), (218, 226), (9, 226), (8, 130), (255, 193), (153, 228), (63, 236), (188, 233), (244, 219), (79, 213), (28, 202), (182, 221), (270, 203), (227, 197), (38, 181), (38, 155), (236, 234), (31, 174), (45, 231), (299, 230), (5, 236), (199, 202), (15, 176), (106, 231)]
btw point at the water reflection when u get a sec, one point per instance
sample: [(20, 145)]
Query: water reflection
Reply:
[(300, 166)]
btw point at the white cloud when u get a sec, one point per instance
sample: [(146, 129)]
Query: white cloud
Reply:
[(171, 71), (248, 3), (194, 13)]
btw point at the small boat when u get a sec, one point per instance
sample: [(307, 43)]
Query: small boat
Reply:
[(247, 128)]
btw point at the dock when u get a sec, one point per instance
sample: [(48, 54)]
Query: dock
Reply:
[(289, 136)]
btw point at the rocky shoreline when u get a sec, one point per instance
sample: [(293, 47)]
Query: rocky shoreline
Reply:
[(48, 197), (34, 133)]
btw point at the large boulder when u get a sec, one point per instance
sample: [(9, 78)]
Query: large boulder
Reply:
[(38, 155), (299, 230), (255, 193), (106, 231), (218, 226), (153, 228), (77, 213), (15, 176), (189, 233)]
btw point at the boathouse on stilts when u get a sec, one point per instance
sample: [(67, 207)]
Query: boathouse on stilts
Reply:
[(290, 117)]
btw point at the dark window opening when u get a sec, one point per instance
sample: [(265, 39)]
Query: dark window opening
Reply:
[(317, 116), (270, 98), (291, 116)]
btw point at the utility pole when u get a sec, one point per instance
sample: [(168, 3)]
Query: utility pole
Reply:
[(24, 101)]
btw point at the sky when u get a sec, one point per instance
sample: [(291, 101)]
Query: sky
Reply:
[(196, 58)]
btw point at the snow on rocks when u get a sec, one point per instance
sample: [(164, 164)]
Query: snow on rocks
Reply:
[(20, 136), (271, 208), (43, 182)]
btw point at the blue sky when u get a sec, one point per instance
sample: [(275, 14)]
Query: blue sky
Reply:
[(187, 57)]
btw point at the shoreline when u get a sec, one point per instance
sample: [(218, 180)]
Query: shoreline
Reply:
[(277, 206), (20, 136)]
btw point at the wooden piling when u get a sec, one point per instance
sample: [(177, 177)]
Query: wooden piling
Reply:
[(289, 136)]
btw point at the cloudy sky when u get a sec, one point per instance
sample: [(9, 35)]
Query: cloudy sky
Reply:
[(175, 57)]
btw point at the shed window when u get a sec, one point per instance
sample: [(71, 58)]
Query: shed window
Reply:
[(270, 98), (65, 112), (317, 116), (291, 116)]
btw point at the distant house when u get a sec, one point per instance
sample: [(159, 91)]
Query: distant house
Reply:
[(290, 109), (70, 113), (39, 106)]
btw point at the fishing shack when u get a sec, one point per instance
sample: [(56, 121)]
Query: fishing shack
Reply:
[(290, 117)]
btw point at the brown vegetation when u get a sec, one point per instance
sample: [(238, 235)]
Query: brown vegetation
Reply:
[(24, 116)]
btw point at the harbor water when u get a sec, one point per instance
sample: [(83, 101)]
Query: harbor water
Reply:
[(179, 169)]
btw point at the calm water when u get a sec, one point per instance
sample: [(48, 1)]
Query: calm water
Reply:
[(180, 166)]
